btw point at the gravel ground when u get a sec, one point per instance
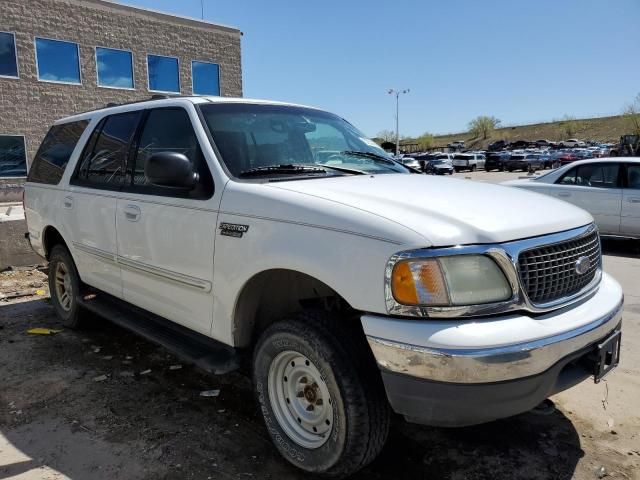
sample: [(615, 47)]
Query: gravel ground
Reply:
[(103, 404)]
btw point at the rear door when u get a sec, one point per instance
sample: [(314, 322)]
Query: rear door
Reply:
[(594, 187), (90, 204), (165, 236), (630, 220)]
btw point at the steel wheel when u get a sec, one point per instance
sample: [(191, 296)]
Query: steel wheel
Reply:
[(300, 399), (64, 290)]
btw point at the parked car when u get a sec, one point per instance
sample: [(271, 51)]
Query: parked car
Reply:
[(527, 162), (607, 188), (438, 167), (412, 163), (468, 161), (498, 145), (457, 145), (347, 286), (572, 143), (543, 143), (497, 161)]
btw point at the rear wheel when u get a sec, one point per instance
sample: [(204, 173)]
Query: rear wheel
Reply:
[(64, 286), (321, 394)]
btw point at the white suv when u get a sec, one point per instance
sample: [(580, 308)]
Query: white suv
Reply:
[(226, 229)]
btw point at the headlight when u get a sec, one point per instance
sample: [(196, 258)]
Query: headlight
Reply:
[(449, 281)]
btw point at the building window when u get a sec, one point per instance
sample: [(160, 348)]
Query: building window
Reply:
[(205, 77), (114, 67), (13, 156), (164, 74), (8, 55), (57, 61)]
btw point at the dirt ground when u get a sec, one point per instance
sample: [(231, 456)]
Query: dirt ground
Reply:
[(103, 404)]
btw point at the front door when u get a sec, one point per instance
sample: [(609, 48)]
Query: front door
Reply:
[(630, 220), (166, 236)]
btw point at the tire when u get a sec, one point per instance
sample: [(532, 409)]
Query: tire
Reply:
[(289, 357), (64, 287), (474, 168)]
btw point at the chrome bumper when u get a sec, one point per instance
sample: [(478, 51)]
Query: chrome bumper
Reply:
[(484, 365)]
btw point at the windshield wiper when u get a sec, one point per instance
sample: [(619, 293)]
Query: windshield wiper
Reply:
[(287, 169), (371, 155), (343, 169)]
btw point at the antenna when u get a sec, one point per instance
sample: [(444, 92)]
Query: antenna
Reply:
[(202, 9)]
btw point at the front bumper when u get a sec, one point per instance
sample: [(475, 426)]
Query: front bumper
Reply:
[(468, 371)]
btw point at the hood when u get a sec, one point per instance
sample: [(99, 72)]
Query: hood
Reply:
[(447, 211)]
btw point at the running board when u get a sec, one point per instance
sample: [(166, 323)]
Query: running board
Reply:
[(192, 347)]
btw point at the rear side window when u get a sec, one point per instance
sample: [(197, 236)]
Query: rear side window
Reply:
[(105, 158), (633, 176), (54, 152), (597, 175)]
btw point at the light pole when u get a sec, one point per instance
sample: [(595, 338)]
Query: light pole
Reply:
[(397, 93)]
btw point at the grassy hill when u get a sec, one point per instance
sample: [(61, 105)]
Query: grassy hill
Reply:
[(605, 129)]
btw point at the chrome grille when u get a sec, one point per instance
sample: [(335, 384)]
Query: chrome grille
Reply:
[(548, 273)]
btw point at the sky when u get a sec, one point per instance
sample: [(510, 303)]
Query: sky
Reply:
[(522, 61)]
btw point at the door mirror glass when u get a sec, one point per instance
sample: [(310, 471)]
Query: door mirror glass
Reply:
[(170, 169)]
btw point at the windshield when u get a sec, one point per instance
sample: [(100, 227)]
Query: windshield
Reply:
[(265, 138)]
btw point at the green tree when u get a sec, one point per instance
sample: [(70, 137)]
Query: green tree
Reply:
[(425, 141), (483, 126)]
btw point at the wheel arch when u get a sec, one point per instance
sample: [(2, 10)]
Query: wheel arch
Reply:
[(272, 294), (51, 236)]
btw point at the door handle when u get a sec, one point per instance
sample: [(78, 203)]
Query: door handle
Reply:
[(564, 194), (633, 200), (132, 213), (68, 202)]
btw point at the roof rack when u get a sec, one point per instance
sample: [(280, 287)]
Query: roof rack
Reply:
[(155, 96)]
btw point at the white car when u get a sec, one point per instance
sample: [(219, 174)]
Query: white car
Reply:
[(237, 232), (468, 161), (572, 143), (608, 188)]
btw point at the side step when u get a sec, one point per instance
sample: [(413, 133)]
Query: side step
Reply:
[(204, 352)]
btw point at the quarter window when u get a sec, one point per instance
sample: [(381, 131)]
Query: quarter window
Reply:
[(164, 75), (170, 130), (55, 151), (115, 68), (13, 159), (206, 78), (57, 61), (8, 57), (104, 159)]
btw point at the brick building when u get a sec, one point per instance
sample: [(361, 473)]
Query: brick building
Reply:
[(59, 57)]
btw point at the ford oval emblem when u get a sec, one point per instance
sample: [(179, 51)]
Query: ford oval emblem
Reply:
[(582, 265)]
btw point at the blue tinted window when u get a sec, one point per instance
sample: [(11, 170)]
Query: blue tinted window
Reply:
[(206, 78), (8, 61), (115, 68), (163, 74), (57, 61), (13, 160)]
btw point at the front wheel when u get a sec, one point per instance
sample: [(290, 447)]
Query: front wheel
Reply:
[(321, 394)]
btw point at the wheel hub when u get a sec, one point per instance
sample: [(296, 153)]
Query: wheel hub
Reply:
[(63, 286), (300, 399)]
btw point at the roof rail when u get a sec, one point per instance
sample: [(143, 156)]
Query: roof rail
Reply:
[(155, 96)]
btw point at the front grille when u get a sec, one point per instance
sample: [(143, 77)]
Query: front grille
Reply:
[(548, 273)]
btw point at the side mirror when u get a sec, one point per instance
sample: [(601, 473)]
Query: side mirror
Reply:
[(170, 169)]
